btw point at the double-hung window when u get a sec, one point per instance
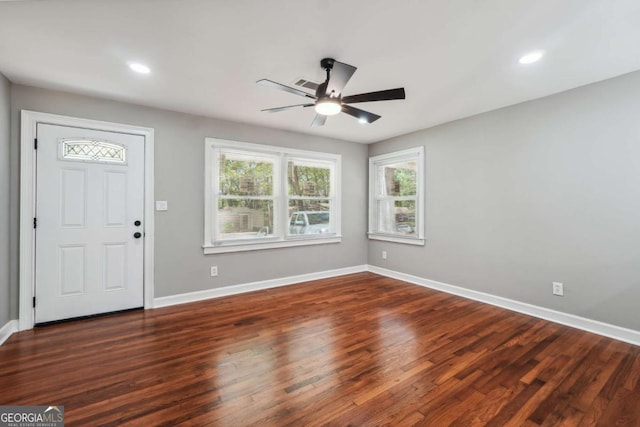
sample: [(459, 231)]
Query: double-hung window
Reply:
[(309, 193), (261, 196), (396, 199)]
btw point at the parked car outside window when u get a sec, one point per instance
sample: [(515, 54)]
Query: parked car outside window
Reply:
[(309, 222)]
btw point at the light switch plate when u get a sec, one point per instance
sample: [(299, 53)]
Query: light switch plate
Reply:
[(162, 205)]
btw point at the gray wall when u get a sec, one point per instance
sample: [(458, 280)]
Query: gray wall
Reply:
[(180, 265), (547, 190), (5, 111), (544, 191)]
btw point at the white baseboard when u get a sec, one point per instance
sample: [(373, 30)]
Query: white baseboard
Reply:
[(612, 331), (254, 286), (9, 328)]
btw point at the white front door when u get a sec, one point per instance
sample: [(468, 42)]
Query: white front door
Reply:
[(89, 231)]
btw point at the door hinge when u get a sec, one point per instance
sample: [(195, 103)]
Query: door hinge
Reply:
[(34, 302), (35, 143), (35, 222)]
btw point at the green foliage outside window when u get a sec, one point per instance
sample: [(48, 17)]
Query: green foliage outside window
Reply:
[(309, 181), (400, 179), (306, 185), (246, 178)]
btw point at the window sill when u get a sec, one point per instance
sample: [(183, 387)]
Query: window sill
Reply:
[(227, 247), (397, 239)]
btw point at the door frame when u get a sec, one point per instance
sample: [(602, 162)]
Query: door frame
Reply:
[(28, 127)]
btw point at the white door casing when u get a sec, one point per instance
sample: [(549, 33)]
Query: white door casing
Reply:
[(89, 195), (114, 243)]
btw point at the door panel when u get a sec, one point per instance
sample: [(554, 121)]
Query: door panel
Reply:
[(89, 193), (115, 266), (72, 262), (73, 197), (115, 193)]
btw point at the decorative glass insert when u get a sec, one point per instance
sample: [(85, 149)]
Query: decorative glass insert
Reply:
[(92, 150)]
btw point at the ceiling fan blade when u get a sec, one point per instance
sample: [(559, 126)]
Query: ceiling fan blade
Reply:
[(339, 77), (288, 107), (308, 84), (270, 83), (382, 95), (319, 120), (359, 114)]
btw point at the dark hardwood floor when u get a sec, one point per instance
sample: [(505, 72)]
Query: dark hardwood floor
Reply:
[(358, 350)]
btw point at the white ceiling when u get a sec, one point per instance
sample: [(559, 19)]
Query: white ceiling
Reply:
[(454, 58)]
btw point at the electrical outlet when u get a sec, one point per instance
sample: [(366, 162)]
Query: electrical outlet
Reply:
[(558, 289), (384, 254), (214, 271)]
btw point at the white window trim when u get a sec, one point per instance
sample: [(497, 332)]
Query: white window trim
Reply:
[(416, 154), (282, 240)]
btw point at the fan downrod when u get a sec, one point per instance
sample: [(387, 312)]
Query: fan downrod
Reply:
[(327, 65)]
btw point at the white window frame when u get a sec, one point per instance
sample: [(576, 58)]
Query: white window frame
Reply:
[(280, 237), (412, 154)]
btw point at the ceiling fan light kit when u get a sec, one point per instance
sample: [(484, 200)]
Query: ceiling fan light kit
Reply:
[(328, 106), (328, 99)]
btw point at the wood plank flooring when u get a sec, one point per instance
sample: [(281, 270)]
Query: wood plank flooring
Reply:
[(358, 350)]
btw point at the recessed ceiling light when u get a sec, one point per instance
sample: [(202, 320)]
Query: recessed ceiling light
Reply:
[(531, 57), (139, 68)]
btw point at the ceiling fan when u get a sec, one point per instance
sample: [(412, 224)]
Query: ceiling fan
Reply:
[(328, 99)]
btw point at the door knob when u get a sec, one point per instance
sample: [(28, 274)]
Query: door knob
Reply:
[(137, 234)]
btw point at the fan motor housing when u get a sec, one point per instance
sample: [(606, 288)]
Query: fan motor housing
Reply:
[(327, 63)]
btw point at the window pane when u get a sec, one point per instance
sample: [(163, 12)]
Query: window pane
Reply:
[(245, 218), (397, 216), (309, 217), (308, 178), (246, 175), (398, 179)]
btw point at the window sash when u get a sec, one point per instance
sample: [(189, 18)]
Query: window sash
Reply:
[(330, 197), (217, 196)]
